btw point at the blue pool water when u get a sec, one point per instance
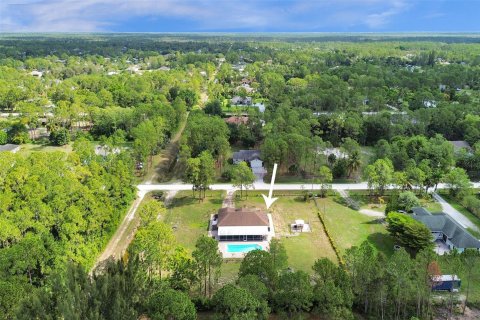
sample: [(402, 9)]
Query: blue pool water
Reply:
[(242, 247)]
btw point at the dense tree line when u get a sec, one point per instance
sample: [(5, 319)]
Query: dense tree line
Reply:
[(54, 210), (371, 284)]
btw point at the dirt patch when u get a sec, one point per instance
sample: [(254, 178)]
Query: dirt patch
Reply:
[(470, 314), (228, 201), (280, 225)]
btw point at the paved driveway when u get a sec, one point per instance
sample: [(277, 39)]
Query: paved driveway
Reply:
[(454, 213)]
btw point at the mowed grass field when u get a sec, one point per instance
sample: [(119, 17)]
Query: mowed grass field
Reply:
[(189, 217), (27, 149), (350, 228), (303, 249), (365, 201)]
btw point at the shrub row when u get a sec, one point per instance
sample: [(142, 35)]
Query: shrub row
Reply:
[(332, 242), (329, 236), (472, 203)]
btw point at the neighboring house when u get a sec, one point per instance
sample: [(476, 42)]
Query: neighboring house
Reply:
[(13, 148), (260, 106), (447, 230), (412, 68), (237, 100), (36, 73), (237, 120), (459, 145), (242, 225), (247, 88), (429, 103), (105, 151), (256, 163), (335, 151), (246, 155), (247, 81), (239, 66), (253, 158)]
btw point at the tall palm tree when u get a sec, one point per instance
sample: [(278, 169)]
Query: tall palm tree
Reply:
[(354, 163)]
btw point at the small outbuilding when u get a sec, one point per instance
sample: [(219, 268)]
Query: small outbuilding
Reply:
[(460, 145), (300, 226)]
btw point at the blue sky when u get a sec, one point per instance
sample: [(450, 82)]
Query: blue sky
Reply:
[(239, 15)]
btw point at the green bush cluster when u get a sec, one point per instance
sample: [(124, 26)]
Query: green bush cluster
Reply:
[(472, 203)]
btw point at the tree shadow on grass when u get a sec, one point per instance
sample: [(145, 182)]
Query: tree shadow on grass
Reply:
[(189, 200), (382, 242), (300, 199), (340, 201), (215, 201), (185, 201), (375, 221)]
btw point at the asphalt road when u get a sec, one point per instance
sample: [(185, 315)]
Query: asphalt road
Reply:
[(265, 186)]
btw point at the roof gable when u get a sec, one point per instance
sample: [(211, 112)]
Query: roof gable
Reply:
[(246, 155), (230, 217), (457, 235)]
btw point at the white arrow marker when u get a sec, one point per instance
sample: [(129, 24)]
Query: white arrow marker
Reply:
[(269, 200)]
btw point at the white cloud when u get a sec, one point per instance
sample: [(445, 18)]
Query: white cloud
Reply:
[(376, 20), (107, 15)]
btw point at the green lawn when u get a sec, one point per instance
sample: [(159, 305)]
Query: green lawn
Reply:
[(189, 217), (350, 228), (303, 249), (27, 149)]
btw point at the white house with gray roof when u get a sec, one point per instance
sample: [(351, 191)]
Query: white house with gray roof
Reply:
[(445, 229), (253, 158)]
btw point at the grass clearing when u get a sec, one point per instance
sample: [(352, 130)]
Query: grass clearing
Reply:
[(189, 217), (29, 148), (350, 228), (302, 249)]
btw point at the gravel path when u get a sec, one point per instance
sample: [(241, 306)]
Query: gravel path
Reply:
[(372, 213), (367, 212), (228, 201), (124, 234)]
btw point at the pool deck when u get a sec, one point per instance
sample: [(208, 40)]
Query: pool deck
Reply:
[(223, 247)]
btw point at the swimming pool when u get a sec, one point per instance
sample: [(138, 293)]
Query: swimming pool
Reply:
[(242, 247)]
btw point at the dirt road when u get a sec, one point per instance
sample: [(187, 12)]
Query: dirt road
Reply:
[(121, 239), (161, 171)]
